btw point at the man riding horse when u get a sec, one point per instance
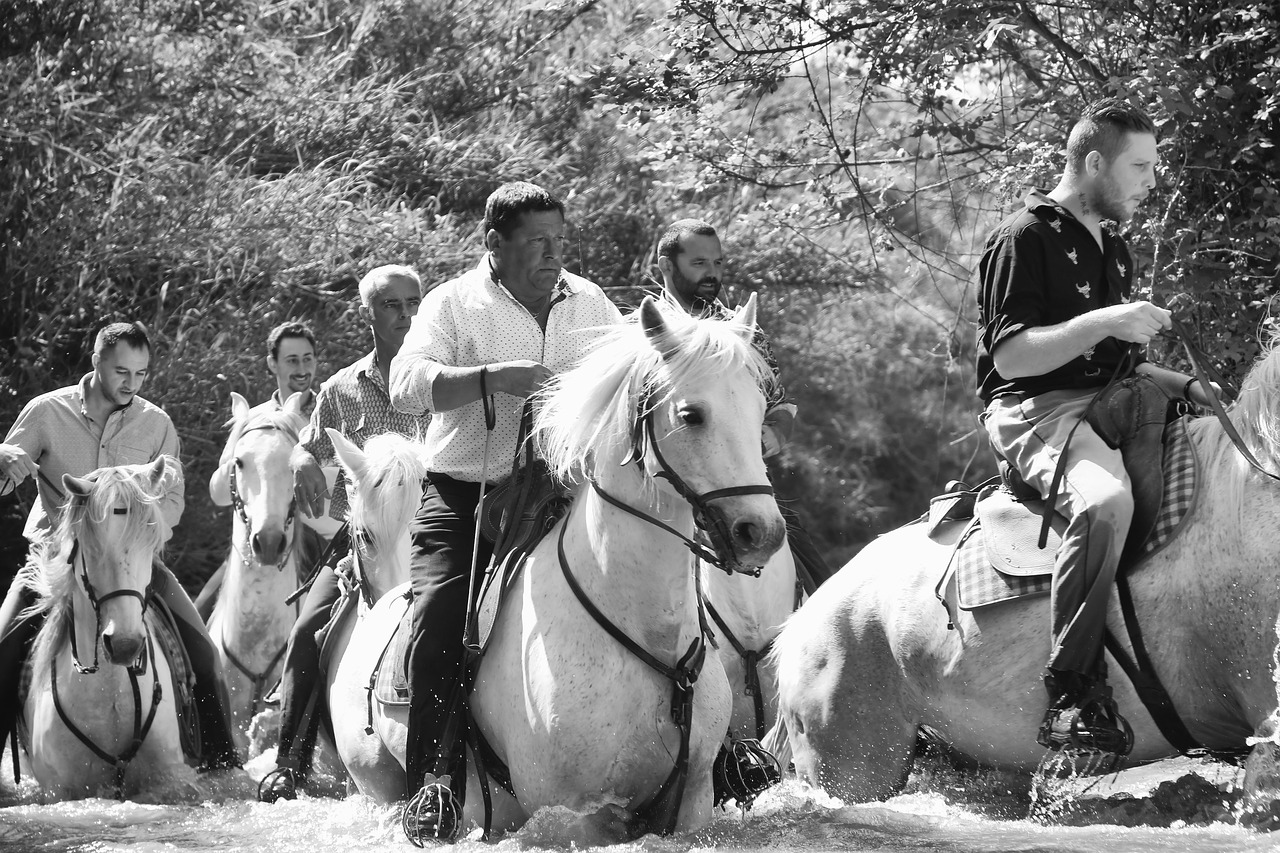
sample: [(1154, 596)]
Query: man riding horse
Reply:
[(499, 330), (1057, 324), (97, 422)]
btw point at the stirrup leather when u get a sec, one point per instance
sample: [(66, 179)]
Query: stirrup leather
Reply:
[(743, 771), (433, 813)]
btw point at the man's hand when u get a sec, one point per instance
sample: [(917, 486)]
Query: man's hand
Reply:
[(517, 378), (16, 465), (310, 488), (776, 432), (1137, 322)]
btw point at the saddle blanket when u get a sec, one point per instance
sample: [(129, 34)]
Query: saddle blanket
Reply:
[(971, 581)]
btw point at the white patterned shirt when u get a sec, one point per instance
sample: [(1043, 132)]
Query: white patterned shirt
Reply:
[(471, 321)]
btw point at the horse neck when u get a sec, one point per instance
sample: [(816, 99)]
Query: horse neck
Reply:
[(639, 576), (383, 575), (754, 608), (251, 602)]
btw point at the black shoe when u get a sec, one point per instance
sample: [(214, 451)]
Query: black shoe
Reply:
[(1086, 723), (743, 771), (279, 784), (433, 813)]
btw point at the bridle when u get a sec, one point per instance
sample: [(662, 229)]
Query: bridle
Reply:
[(96, 601), (237, 503), (720, 555)]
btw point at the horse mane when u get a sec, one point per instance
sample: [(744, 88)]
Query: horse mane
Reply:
[(395, 459), (49, 572), (588, 413), (287, 422)]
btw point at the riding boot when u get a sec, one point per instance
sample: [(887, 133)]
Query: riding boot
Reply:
[(213, 703), (16, 635)]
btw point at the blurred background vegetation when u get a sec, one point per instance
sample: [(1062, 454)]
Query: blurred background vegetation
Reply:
[(214, 167)]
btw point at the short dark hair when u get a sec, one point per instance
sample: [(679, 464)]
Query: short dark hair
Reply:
[(1104, 126), (289, 329), (506, 204), (134, 334), (669, 243)]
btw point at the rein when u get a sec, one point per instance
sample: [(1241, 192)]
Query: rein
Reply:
[(682, 676), (259, 679)]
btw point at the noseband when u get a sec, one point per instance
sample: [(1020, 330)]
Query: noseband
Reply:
[(237, 503), (721, 553)]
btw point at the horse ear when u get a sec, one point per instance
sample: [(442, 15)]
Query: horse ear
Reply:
[(351, 457), (746, 316), (656, 329), (293, 405), (76, 487), (239, 406), (156, 472)]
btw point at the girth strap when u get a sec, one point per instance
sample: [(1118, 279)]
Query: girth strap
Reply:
[(665, 802), (141, 728)]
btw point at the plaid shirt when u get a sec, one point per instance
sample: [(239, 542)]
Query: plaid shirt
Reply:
[(355, 402)]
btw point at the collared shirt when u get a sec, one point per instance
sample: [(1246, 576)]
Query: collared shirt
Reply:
[(1042, 267), (354, 401), (56, 432), (471, 321), (275, 404)]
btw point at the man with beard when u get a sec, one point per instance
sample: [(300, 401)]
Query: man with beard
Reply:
[(691, 261), (1056, 323)]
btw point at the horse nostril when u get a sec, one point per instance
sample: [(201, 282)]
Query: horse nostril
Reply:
[(745, 533)]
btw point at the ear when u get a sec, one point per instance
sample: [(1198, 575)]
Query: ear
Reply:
[(665, 265), (351, 457), (239, 406), (746, 317), (364, 312), (156, 472), (293, 405), (656, 329), (76, 487), (1093, 163)]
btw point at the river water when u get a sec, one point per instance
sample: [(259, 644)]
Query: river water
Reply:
[(941, 810)]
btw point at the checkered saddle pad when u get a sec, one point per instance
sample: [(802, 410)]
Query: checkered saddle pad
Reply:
[(972, 579)]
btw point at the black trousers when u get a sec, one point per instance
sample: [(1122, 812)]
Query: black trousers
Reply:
[(217, 745), (443, 535), (302, 701)]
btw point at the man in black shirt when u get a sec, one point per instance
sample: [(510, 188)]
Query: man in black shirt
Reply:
[(1056, 324)]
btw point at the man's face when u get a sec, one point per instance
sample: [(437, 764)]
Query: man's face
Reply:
[(120, 371), (1123, 183), (294, 365), (391, 309), (697, 270), (528, 261)]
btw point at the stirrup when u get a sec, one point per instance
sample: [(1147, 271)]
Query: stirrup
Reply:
[(279, 784), (742, 772), (432, 813), (1090, 724)]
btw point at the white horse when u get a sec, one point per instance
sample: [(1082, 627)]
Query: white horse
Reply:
[(99, 715), (665, 413), (251, 620), (869, 659)]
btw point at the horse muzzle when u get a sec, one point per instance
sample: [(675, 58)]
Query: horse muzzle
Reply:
[(268, 546), (753, 535), (122, 649)]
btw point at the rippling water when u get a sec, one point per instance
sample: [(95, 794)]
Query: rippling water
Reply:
[(940, 811)]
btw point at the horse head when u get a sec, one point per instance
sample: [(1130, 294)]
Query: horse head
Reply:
[(683, 399), (112, 530), (261, 480), (384, 491)]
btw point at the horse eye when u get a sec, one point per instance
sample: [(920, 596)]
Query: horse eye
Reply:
[(691, 417), (239, 463)]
